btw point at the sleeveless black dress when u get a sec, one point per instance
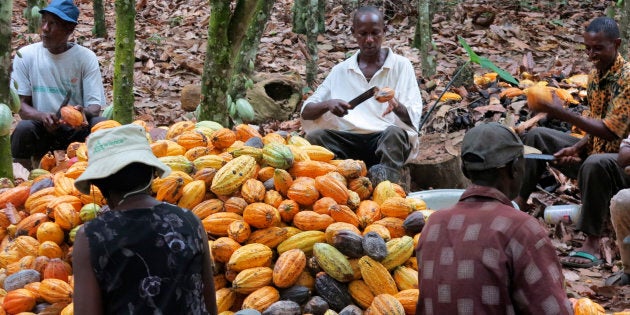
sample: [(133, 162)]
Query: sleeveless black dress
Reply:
[(148, 261)]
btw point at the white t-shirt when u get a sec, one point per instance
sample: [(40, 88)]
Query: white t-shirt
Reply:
[(346, 81), (47, 77)]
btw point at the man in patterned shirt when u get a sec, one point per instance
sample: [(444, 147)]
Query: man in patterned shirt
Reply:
[(482, 256), (592, 159)]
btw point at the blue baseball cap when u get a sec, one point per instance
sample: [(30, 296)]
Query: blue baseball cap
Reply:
[(64, 9)]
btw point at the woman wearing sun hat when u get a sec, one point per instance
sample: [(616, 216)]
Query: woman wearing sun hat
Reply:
[(144, 256)]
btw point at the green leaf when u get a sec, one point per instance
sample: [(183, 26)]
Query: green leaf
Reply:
[(486, 63), (473, 56)]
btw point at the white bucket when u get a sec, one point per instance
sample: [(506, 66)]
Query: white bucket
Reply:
[(565, 213), (437, 199)]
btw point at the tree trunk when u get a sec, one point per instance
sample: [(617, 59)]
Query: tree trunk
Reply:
[(31, 13), (124, 61), (100, 29), (215, 79), (302, 11), (309, 19), (311, 24), (226, 33), (6, 7), (245, 58), (422, 38), (624, 20), (439, 164)]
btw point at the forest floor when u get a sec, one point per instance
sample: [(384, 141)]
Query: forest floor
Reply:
[(541, 38)]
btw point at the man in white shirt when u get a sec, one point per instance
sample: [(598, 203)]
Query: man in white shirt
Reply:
[(384, 135), (44, 74)]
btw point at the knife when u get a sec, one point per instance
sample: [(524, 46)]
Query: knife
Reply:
[(362, 97), (536, 156)]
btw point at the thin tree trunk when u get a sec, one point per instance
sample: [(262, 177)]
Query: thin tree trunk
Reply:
[(100, 29), (215, 79), (32, 14), (309, 19), (6, 7), (124, 61), (312, 29), (226, 33), (243, 65), (624, 20), (422, 38), (302, 12)]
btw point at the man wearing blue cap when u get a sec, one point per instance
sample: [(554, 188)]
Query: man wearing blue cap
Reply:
[(49, 74)]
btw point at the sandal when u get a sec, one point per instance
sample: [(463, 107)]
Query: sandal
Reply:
[(618, 278), (594, 261)]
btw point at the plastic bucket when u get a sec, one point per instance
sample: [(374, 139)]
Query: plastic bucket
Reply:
[(437, 199), (565, 213)]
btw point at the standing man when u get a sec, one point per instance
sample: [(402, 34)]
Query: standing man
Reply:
[(45, 74), (385, 136), (482, 256), (592, 159)]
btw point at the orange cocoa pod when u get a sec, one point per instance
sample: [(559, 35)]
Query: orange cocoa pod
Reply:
[(48, 161), (71, 116), (384, 94), (105, 124), (288, 209), (538, 95)]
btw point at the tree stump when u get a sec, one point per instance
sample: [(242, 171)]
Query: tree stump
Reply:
[(438, 165), (275, 97)]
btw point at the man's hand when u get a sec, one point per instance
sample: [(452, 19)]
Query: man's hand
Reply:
[(392, 106), (82, 110), (568, 155), (552, 108), (337, 107), (92, 111), (49, 120)]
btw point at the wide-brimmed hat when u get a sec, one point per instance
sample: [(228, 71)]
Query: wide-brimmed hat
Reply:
[(64, 9), (109, 150)]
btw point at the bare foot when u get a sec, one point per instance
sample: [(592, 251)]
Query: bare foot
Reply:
[(586, 256)]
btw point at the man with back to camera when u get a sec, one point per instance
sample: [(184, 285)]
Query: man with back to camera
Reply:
[(482, 256), (382, 135), (45, 73)]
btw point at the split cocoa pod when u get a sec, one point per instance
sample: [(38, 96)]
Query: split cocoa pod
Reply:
[(384, 94), (538, 96), (71, 116)]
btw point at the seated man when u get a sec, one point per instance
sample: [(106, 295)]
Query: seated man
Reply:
[(382, 135), (592, 159), (45, 73), (482, 256)]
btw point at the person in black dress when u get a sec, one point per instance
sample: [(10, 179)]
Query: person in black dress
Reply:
[(143, 256)]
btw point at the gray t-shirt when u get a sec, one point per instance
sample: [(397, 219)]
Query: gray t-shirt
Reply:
[(47, 77)]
